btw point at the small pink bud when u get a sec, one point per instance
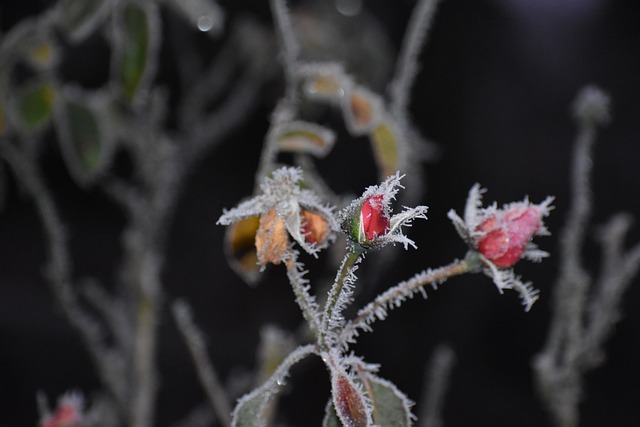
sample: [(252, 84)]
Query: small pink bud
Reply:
[(504, 235), (67, 414), (373, 219)]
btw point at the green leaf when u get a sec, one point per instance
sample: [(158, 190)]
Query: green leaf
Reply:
[(391, 408), (85, 135), (136, 47), (385, 149), (255, 409), (135, 55), (82, 122), (35, 106)]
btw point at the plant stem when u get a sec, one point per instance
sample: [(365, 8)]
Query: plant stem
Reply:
[(393, 297), (351, 258), (304, 299)]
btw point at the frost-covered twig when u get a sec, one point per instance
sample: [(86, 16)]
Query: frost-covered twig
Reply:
[(288, 44), (396, 295), (407, 63), (109, 362), (583, 317), (338, 298), (206, 372)]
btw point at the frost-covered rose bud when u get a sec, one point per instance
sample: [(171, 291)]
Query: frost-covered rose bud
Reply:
[(503, 237), (374, 221), (499, 238), (368, 222), (68, 413)]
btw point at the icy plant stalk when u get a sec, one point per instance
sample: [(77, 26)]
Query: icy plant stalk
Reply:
[(584, 309)]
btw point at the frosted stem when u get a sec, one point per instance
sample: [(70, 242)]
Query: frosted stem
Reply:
[(393, 297), (350, 259), (437, 380), (206, 372)]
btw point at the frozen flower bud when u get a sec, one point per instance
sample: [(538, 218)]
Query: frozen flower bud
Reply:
[(504, 236), (374, 221), (368, 222), (68, 413), (498, 238)]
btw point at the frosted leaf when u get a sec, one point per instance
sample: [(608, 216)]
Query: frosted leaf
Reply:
[(349, 401), (324, 81), (240, 248), (136, 41), (85, 133), (362, 110), (251, 410), (391, 407), (386, 143), (283, 203), (303, 137), (275, 345), (32, 107)]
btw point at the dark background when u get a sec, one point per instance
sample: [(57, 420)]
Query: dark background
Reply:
[(497, 80)]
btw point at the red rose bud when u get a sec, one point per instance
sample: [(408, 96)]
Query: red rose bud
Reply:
[(504, 235), (374, 222)]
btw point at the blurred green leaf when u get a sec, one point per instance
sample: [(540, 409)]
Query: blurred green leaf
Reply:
[(385, 149), (82, 122), (135, 48), (85, 135), (35, 105)]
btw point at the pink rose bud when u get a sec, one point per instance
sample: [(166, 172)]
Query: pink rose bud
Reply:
[(374, 221), (504, 235), (67, 414)]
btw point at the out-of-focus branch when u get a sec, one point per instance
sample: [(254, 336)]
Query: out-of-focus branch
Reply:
[(436, 383), (206, 372), (583, 317)]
